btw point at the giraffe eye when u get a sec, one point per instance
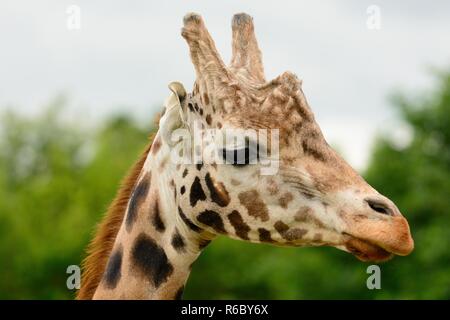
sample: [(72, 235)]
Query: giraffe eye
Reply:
[(242, 156)]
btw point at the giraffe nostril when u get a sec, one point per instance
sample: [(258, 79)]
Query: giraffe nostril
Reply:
[(380, 207)]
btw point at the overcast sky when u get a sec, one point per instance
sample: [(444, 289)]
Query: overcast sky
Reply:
[(126, 53)]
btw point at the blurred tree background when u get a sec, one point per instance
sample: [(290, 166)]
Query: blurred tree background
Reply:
[(57, 179)]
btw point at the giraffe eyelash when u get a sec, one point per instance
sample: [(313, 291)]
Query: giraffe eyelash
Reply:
[(305, 190), (298, 180)]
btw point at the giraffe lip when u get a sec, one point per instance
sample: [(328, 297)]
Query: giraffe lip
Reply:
[(392, 235), (366, 251)]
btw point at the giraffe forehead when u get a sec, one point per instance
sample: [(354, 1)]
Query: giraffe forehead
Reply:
[(241, 99), (292, 131), (254, 115)]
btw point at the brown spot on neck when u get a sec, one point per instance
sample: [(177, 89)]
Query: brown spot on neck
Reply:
[(239, 225), (289, 234), (208, 119), (196, 194), (163, 163), (254, 204), (306, 215), (156, 145), (178, 242), (285, 199), (150, 261), (212, 219), (217, 191), (264, 235), (205, 98), (137, 199), (235, 182), (155, 215)]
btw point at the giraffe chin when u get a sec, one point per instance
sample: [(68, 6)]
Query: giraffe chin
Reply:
[(366, 251)]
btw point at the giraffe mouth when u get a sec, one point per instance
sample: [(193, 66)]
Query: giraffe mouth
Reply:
[(378, 239), (366, 251)]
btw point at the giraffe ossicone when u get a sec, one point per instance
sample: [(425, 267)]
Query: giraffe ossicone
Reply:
[(167, 212)]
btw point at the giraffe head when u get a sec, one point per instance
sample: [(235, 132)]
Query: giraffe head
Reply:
[(313, 197)]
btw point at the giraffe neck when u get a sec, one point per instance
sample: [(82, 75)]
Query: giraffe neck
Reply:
[(156, 244)]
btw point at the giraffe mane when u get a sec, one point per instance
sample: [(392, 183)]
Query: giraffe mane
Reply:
[(101, 245)]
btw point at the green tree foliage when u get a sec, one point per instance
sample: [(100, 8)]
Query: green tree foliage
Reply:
[(55, 183), (57, 179)]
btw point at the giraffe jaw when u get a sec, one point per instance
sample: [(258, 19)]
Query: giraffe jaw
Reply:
[(366, 251)]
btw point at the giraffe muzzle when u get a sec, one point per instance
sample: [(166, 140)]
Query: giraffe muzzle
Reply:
[(378, 239)]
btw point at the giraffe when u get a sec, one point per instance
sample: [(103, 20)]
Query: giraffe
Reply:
[(166, 213)]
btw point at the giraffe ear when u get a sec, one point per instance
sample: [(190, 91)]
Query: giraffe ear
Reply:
[(173, 117), (178, 89)]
